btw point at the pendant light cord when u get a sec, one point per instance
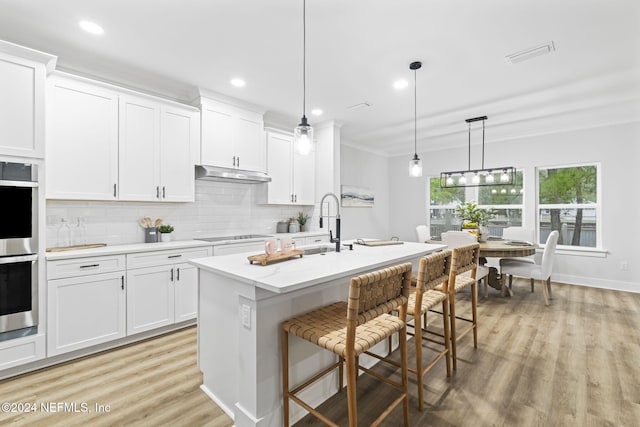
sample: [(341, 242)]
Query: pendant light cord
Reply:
[(304, 56), (469, 149), (483, 144), (415, 113)]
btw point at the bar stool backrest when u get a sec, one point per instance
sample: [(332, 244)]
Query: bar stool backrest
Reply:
[(434, 271), (465, 258)]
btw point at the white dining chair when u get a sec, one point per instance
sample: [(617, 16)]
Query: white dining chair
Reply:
[(522, 234), (422, 234), (455, 239), (534, 271)]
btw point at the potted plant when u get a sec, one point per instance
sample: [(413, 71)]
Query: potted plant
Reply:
[(474, 219), (165, 232), (302, 220)]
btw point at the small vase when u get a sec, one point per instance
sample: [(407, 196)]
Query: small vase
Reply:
[(303, 227), (165, 237), (484, 233)]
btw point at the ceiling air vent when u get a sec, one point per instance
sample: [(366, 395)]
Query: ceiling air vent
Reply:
[(532, 52), (359, 106)]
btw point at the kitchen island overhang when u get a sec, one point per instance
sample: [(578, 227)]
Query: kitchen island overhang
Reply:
[(241, 307)]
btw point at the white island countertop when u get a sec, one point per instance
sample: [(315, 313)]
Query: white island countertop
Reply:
[(311, 270)]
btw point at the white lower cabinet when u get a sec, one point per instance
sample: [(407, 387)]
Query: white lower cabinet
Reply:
[(85, 311), (86, 302), (94, 300), (163, 290)]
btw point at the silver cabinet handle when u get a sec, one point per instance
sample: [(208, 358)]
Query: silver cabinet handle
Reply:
[(114, 190), (164, 193), (234, 160), (157, 192), (122, 282), (178, 274), (238, 161), (172, 274), (174, 256)]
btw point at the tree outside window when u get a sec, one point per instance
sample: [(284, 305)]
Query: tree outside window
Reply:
[(568, 202)]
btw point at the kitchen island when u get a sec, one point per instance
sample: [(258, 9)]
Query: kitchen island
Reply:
[(240, 308)]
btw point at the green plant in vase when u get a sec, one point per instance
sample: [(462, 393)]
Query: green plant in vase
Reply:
[(165, 231), (302, 220), (475, 218)]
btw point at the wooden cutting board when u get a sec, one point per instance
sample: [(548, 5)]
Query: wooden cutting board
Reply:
[(73, 248), (264, 259), (378, 242)]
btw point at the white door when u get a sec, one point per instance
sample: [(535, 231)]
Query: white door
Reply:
[(150, 298), (179, 130), (82, 142), (186, 292), (85, 311), (279, 167), (217, 137), (304, 178), (139, 149)]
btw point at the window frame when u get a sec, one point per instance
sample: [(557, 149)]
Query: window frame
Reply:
[(597, 206)]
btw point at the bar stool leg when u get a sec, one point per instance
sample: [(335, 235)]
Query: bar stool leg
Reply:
[(474, 310), (418, 342), (352, 374), (284, 344), (405, 373), (447, 335), (452, 317)]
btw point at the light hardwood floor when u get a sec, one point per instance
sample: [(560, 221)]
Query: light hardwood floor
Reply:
[(574, 363), (152, 383)]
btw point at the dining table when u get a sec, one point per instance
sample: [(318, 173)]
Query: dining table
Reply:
[(501, 248)]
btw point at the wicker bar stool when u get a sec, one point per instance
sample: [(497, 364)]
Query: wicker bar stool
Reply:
[(350, 329), (465, 258), (433, 272)]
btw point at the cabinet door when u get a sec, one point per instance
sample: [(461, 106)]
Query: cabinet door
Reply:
[(150, 298), (248, 142), (139, 149), (279, 168), (304, 178), (217, 136), (82, 141), (179, 130), (22, 85), (186, 292), (85, 311)]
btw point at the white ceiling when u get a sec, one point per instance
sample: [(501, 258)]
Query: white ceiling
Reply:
[(356, 49)]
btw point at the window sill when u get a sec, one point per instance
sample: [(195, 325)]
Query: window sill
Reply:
[(578, 251)]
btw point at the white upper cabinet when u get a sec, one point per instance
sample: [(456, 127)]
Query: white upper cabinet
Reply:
[(22, 85), (231, 136), (82, 141), (292, 175), (106, 144), (180, 133), (139, 149)]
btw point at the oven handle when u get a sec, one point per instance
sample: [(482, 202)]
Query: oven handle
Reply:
[(20, 258), (8, 183)]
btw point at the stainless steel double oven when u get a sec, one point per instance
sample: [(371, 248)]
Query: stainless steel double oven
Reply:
[(18, 249)]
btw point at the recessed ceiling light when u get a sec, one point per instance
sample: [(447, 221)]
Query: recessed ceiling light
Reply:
[(91, 27), (316, 112), (237, 82), (400, 84)]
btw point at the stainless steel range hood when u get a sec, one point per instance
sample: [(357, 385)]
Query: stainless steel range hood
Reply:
[(217, 173)]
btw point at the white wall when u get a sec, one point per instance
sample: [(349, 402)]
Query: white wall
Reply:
[(365, 169), (617, 150), (220, 209)]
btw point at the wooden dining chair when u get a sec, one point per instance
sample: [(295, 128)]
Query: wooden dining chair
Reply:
[(349, 329)]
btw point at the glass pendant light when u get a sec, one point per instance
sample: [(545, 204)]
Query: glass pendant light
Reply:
[(415, 164), (303, 133)]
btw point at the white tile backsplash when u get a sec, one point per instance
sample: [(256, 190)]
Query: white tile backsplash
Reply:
[(220, 209)]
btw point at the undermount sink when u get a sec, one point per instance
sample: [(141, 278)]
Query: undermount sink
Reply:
[(318, 250)]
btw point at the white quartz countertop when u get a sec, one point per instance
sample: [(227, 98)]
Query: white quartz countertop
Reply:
[(310, 270), (125, 249)]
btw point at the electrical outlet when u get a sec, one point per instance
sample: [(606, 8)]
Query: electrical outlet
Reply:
[(246, 316), (624, 265)]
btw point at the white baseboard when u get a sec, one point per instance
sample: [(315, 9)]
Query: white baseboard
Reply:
[(218, 402), (614, 285)]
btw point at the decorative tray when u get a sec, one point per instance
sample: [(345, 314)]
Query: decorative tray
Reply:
[(377, 242), (264, 259)]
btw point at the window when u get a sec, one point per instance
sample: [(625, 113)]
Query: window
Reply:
[(568, 202), (442, 206), (505, 200)]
